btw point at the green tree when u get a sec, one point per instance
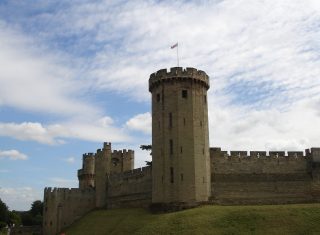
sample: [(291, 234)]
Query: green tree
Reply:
[(36, 208), (4, 214), (148, 148), (26, 218), (14, 218)]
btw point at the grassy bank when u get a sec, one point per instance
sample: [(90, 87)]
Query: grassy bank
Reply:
[(275, 219)]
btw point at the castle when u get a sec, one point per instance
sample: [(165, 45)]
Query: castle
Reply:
[(185, 171)]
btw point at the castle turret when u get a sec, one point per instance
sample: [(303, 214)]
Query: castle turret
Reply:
[(102, 168), (122, 160), (86, 174), (180, 136)]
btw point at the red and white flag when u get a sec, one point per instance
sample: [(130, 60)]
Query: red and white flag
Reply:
[(175, 45)]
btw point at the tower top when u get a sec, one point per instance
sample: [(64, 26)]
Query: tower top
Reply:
[(178, 73)]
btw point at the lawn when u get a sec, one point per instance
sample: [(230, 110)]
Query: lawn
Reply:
[(268, 220)]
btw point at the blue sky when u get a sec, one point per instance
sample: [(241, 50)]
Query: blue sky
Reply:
[(75, 73)]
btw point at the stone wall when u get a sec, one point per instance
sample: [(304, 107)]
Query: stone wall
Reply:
[(62, 206), (261, 178), (130, 189)]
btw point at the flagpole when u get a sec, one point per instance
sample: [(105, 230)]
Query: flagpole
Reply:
[(178, 54), (177, 46)]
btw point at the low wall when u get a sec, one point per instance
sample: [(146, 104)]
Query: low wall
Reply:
[(130, 189)]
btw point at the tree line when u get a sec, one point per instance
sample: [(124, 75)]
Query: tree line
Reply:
[(18, 218)]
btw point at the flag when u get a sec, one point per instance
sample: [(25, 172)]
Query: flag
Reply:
[(175, 45)]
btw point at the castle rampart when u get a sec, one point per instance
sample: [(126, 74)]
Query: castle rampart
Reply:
[(62, 206), (130, 189), (263, 178)]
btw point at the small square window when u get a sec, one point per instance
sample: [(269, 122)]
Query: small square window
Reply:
[(184, 94)]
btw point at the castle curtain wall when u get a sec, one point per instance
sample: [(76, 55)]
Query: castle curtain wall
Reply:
[(238, 178)]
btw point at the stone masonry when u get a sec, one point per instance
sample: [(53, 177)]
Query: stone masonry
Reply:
[(185, 170)]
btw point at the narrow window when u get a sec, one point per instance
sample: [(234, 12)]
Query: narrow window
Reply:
[(184, 121), (203, 151), (180, 149), (171, 146), (158, 97), (181, 177), (162, 179), (162, 99), (171, 175), (159, 124), (170, 120), (205, 99), (203, 180), (200, 123), (184, 94)]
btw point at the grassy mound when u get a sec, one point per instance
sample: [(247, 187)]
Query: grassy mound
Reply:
[(275, 219)]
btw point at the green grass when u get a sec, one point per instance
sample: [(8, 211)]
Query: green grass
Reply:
[(301, 219)]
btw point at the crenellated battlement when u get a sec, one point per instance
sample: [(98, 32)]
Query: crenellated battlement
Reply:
[(124, 151), (50, 190), (107, 145), (178, 73), (86, 155), (261, 154)]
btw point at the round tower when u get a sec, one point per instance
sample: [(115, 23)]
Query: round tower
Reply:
[(86, 174), (180, 136)]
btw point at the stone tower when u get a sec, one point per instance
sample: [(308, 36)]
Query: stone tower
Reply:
[(180, 136), (87, 173), (102, 169)]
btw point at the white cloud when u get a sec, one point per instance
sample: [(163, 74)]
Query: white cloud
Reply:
[(70, 160), (245, 129), (140, 122), (13, 155), (36, 79), (19, 198), (4, 171), (234, 41), (98, 131)]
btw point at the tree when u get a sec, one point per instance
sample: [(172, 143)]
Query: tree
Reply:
[(14, 218), (36, 208), (26, 218), (34, 215), (4, 214), (148, 148)]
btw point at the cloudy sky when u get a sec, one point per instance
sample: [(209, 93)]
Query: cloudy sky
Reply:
[(74, 74)]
